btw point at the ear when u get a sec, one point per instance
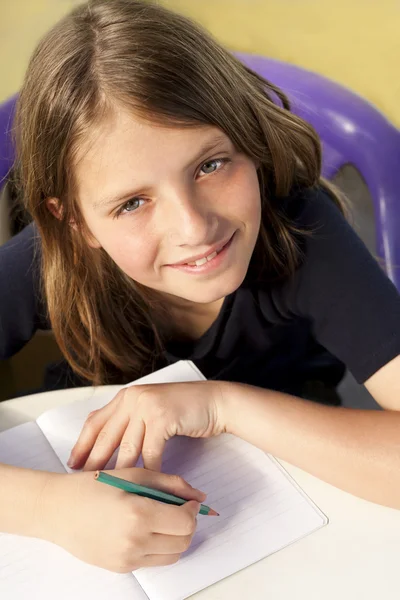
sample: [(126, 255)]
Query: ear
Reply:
[(54, 206)]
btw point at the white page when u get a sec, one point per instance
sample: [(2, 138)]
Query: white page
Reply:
[(62, 425), (261, 511), (26, 446), (32, 569), (39, 570)]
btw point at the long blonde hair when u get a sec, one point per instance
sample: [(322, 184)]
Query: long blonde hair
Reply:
[(165, 69)]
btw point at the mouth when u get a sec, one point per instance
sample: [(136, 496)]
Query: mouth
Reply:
[(206, 262), (202, 259)]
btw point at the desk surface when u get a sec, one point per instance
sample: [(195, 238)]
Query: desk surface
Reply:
[(355, 557)]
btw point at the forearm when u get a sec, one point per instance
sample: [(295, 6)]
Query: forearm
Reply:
[(356, 450), (21, 500)]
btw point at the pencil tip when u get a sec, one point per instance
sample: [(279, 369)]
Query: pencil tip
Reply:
[(213, 513)]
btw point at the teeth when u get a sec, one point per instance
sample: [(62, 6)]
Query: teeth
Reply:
[(202, 261)]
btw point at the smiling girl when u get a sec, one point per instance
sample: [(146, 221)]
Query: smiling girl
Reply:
[(179, 212)]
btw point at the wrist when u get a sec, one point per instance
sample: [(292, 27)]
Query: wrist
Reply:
[(249, 412), (21, 500), (229, 394), (48, 513)]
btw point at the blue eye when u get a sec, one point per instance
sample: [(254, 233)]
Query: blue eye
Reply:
[(129, 206), (222, 161)]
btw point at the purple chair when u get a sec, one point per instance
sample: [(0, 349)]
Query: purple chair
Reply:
[(353, 132), (6, 150), (6, 158)]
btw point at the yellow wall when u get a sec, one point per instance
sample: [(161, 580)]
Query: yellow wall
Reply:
[(356, 42)]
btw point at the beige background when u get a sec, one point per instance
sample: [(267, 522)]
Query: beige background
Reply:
[(356, 42)]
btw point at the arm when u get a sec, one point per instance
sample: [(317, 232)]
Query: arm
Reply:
[(355, 450), (21, 499)]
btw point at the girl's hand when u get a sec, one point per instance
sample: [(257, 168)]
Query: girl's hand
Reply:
[(116, 530), (140, 419)]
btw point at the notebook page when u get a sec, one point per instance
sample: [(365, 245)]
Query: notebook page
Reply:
[(62, 425), (26, 446), (36, 569), (265, 514), (261, 509)]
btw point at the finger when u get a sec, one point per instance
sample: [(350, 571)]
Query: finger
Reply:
[(153, 447), (91, 428), (131, 443), (107, 442), (159, 560), (168, 544), (174, 520)]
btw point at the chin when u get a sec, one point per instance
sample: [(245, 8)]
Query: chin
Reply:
[(208, 292)]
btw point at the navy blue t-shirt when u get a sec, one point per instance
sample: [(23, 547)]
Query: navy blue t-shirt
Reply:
[(339, 309)]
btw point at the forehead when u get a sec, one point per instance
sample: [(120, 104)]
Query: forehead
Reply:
[(122, 140)]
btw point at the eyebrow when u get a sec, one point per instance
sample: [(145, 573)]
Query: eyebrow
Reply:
[(120, 197)]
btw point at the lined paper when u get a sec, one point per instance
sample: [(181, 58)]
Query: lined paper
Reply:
[(261, 511), (37, 569), (26, 446), (261, 508)]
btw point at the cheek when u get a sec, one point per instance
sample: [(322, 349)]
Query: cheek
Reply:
[(134, 253), (243, 197)]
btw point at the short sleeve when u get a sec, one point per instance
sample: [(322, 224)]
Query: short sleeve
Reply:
[(352, 306), (21, 308)]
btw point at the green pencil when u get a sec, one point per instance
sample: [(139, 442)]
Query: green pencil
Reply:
[(141, 490)]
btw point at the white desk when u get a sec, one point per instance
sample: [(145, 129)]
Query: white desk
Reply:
[(355, 557)]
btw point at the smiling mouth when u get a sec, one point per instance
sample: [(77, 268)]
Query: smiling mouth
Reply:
[(220, 257), (204, 259)]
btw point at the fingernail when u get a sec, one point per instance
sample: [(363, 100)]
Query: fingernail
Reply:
[(202, 494), (71, 462)]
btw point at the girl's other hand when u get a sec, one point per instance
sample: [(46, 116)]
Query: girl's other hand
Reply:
[(140, 419), (116, 530)]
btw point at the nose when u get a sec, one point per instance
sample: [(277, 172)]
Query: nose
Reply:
[(188, 219)]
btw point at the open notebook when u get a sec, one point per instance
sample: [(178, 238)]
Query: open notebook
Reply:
[(261, 508)]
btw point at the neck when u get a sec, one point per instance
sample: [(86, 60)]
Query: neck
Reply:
[(190, 320)]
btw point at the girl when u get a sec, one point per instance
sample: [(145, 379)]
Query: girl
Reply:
[(181, 214)]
